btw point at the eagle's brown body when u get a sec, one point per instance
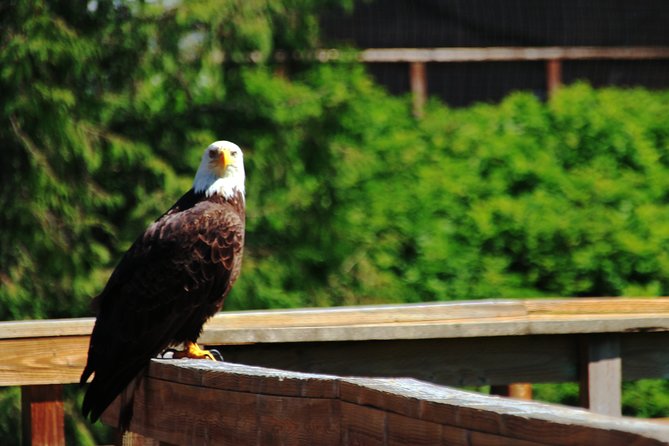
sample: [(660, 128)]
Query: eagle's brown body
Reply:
[(172, 279)]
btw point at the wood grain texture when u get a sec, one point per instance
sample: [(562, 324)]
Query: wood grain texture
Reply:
[(441, 320), (322, 339), (43, 415), (42, 360), (523, 420), (189, 414), (46, 328), (601, 374), (135, 439), (246, 379), (483, 439), (363, 411), (506, 311), (644, 355)]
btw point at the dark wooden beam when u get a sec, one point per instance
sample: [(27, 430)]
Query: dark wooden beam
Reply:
[(453, 362)]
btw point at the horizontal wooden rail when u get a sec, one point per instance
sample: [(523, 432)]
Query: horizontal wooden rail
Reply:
[(417, 58), (597, 342), (441, 320), (480, 54), (199, 402), (54, 352), (507, 54)]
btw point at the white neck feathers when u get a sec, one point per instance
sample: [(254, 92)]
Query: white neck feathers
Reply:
[(226, 179), (228, 187)]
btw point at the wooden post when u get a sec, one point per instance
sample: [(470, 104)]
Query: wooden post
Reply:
[(418, 81), (43, 415), (553, 76), (521, 391), (601, 374)]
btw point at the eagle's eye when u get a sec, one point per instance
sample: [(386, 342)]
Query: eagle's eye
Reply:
[(213, 153)]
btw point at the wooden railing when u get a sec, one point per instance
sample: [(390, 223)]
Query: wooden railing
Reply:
[(598, 342), (418, 57), (196, 402)]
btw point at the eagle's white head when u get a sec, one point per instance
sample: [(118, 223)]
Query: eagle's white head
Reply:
[(221, 170)]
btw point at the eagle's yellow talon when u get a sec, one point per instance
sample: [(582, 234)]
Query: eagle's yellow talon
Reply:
[(193, 351)]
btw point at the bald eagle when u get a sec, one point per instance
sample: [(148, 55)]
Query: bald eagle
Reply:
[(173, 278)]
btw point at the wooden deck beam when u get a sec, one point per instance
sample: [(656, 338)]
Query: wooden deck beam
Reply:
[(203, 402), (497, 342), (509, 54), (540, 335)]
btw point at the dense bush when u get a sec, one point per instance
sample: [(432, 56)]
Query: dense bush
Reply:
[(523, 198), (564, 198)]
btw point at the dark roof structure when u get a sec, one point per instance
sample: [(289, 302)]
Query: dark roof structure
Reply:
[(508, 23)]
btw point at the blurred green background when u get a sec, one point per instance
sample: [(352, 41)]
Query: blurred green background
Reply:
[(107, 106)]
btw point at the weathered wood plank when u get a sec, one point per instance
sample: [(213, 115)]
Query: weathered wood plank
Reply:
[(601, 374), (492, 54), (444, 329), (522, 420), (441, 320), (370, 315), (463, 316), (43, 360), (46, 328), (595, 305), (43, 415), (363, 411), (470, 361), (644, 355), (362, 426), (483, 439), (190, 414), (58, 354), (456, 362), (135, 439), (243, 378)]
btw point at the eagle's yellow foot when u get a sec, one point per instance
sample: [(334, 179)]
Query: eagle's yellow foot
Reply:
[(194, 351)]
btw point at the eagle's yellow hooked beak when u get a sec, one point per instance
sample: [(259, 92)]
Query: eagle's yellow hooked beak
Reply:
[(226, 158)]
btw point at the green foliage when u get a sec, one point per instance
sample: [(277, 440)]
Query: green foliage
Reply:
[(562, 393), (646, 398), (351, 200), (10, 421), (564, 198)]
